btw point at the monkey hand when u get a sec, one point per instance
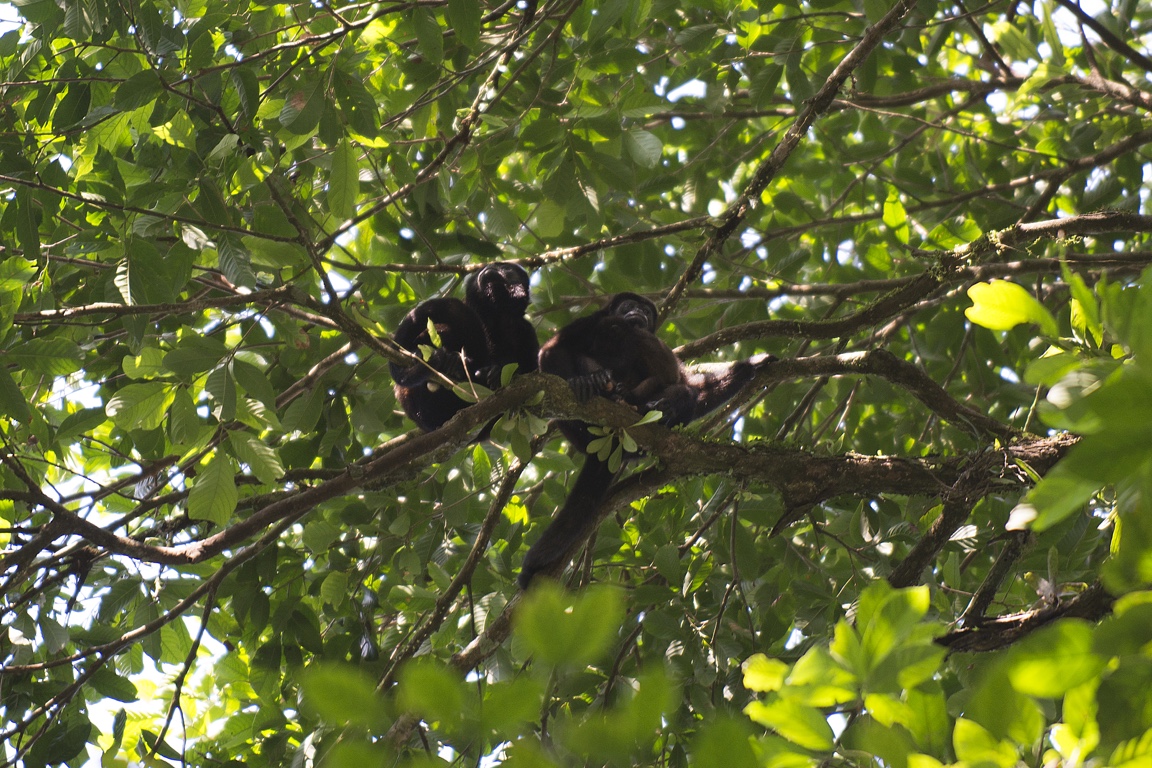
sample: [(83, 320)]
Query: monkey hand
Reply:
[(450, 363), (592, 384), (674, 410)]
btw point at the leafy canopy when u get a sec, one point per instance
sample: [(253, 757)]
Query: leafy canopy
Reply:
[(921, 538)]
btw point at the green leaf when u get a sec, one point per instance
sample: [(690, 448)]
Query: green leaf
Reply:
[(342, 695), (149, 364), (140, 406), (214, 495), (184, 423), (222, 385), (28, 216), (724, 742), (73, 107), (887, 616), (763, 674), (52, 357), (305, 103), (235, 261), (79, 423), (344, 181), (357, 103), (465, 16), (432, 691), (15, 273), (1054, 659), (260, 457), (1002, 305), (13, 404), (481, 467), (976, 745), (644, 147), (138, 90), (195, 354), (895, 217), (248, 89), (818, 680), (429, 35), (334, 589), (802, 725), (255, 382), (565, 629)]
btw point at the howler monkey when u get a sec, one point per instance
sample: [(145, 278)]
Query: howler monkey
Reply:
[(615, 352), (477, 338)]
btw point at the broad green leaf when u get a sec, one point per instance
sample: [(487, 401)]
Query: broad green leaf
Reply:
[(79, 423), (871, 735), (802, 725), (1002, 305), (149, 364), (12, 401), (52, 356), (819, 681), (183, 423), (342, 695), (724, 742), (566, 629), (976, 745), (15, 273), (763, 674), (28, 216), (260, 457), (357, 103), (644, 147), (334, 589), (886, 616), (465, 17), (213, 496), (481, 467), (1054, 659), (180, 131), (344, 181), (304, 105), (255, 382), (138, 90), (432, 691), (429, 35), (235, 261), (222, 386), (895, 217), (140, 406), (195, 354)]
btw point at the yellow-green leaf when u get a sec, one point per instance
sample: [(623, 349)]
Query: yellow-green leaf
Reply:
[(1002, 305)]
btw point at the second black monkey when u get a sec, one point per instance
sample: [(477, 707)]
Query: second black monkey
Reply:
[(478, 337), (615, 352)]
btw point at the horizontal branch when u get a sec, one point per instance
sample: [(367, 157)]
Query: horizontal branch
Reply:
[(1093, 604), (954, 265), (802, 478)]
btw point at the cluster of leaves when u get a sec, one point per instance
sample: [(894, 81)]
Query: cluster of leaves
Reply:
[(219, 545)]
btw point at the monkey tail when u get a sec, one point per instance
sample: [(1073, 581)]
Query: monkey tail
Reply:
[(573, 523)]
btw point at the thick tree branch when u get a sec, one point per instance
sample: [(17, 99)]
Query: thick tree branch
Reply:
[(1093, 604)]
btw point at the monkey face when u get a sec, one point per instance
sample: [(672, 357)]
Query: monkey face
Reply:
[(635, 310), (500, 282)]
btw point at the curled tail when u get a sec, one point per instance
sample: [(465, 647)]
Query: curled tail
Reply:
[(717, 383), (573, 523)]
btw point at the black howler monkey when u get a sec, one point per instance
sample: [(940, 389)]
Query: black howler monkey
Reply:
[(615, 352), (478, 337)]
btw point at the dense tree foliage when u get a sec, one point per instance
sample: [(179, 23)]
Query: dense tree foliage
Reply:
[(921, 538)]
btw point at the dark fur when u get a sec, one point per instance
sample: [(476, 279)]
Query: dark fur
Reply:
[(614, 352), (478, 337)]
